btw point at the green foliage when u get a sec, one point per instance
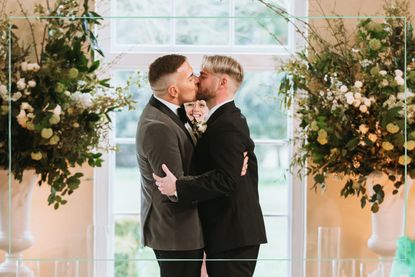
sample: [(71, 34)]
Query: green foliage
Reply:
[(59, 106), (348, 90)]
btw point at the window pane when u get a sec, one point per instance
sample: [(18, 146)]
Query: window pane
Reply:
[(126, 180), (127, 251), (126, 121), (273, 163), (265, 29), (127, 242), (258, 100), (142, 31), (276, 248), (212, 31)]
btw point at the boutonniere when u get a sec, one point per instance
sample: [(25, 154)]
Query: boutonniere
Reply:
[(198, 128)]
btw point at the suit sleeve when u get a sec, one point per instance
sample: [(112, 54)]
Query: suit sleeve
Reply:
[(226, 151)]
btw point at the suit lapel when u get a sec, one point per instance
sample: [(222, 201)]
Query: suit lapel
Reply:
[(164, 109)]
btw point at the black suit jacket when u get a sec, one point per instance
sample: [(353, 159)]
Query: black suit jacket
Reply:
[(162, 138), (228, 202)]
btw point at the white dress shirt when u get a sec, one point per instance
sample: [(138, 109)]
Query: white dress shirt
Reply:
[(211, 111)]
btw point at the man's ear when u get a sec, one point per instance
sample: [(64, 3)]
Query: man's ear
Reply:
[(224, 80), (173, 91)]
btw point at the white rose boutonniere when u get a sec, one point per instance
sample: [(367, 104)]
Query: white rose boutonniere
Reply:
[(198, 128)]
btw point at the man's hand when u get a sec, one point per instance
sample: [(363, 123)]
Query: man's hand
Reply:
[(167, 184), (245, 164)]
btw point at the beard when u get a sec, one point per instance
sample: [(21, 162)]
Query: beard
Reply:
[(205, 94)]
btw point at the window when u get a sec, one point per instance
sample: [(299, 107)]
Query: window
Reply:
[(249, 32)]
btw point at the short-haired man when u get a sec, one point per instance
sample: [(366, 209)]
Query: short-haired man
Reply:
[(172, 230)]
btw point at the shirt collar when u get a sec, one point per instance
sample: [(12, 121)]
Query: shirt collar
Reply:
[(211, 111), (171, 106)]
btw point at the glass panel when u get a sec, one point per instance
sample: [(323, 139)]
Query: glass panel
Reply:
[(202, 31), (126, 121), (144, 30), (259, 103), (126, 180), (212, 31), (276, 248), (265, 29), (127, 247), (273, 182)]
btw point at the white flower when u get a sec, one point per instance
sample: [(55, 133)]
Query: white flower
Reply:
[(367, 102), (383, 72), (57, 110), (26, 106), (400, 80), (354, 50), (31, 83), (84, 99), (349, 97), (363, 108), (22, 118), (16, 96), (4, 93), (357, 95), (343, 89), (357, 103), (398, 73), (3, 89), (33, 67), (21, 84), (358, 84), (385, 83), (321, 93)]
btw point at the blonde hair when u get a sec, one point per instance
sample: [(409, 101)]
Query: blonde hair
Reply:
[(224, 65)]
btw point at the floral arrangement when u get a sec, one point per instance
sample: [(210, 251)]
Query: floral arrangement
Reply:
[(58, 107), (348, 89)]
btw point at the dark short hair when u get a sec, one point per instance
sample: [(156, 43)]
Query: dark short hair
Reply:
[(163, 66)]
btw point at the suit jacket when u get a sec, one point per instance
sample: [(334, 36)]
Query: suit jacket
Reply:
[(229, 208), (162, 138)]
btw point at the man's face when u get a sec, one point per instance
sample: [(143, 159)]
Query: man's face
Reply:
[(208, 85), (187, 83)]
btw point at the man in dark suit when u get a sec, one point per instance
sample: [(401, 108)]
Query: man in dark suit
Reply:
[(232, 220), (172, 229)]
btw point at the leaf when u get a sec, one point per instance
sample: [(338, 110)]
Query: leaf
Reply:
[(375, 208), (319, 178), (351, 145)]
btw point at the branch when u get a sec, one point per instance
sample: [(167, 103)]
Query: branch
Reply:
[(288, 19), (31, 29)]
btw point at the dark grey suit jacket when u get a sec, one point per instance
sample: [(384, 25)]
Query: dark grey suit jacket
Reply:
[(162, 138)]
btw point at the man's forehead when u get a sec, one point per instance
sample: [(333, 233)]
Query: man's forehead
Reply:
[(185, 67)]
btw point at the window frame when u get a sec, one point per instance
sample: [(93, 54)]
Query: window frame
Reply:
[(251, 61)]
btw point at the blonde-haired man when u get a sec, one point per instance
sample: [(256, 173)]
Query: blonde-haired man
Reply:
[(232, 220)]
